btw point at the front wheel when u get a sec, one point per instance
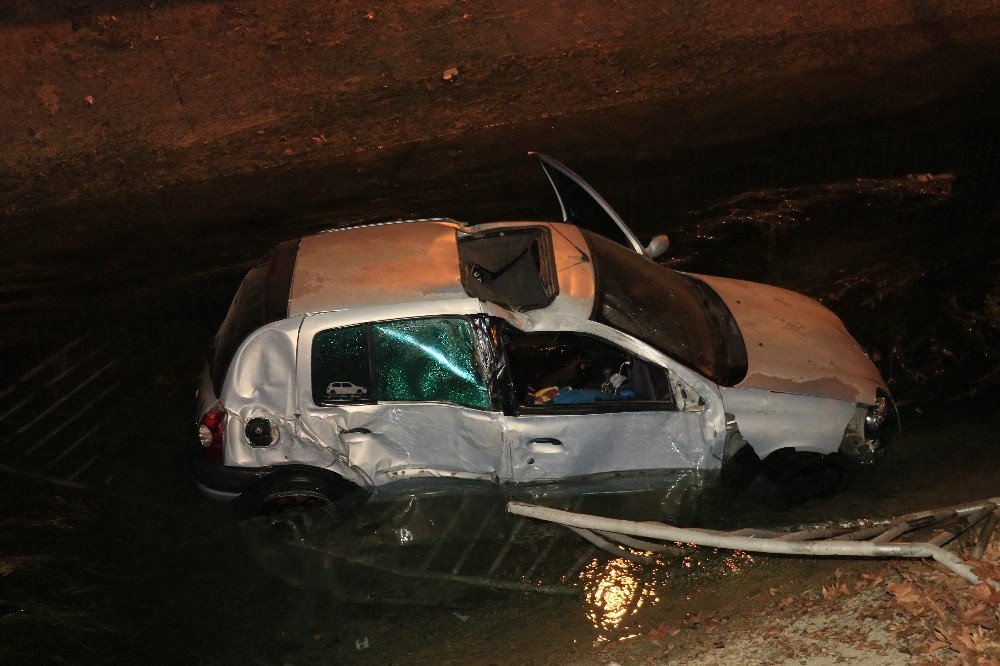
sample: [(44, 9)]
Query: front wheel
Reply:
[(788, 478)]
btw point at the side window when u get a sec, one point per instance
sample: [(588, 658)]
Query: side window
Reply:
[(564, 370), (340, 368), (420, 360), (430, 360)]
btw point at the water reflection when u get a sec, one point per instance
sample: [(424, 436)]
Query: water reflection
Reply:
[(454, 545), (614, 591), (442, 540), (617, 589)]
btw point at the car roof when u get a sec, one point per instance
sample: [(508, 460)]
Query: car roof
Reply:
[(416, 262)]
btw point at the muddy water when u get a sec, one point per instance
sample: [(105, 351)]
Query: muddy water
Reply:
[(109, 554)]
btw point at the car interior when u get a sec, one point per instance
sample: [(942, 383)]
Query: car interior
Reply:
[(560, 370)]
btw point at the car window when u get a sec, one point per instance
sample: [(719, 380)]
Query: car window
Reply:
[(421, 360), (341, 371), (571, 371), (512, 267), (428, 360)]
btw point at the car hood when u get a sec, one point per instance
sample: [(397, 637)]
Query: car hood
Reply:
[(795, 344)]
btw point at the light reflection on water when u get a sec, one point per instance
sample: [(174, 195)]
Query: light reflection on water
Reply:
[(462, 537), (615, 590), (451, 547)]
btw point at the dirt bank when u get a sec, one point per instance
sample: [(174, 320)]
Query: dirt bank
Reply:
[(105, 98)]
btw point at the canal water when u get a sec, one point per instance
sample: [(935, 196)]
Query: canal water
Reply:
[(108, 553)]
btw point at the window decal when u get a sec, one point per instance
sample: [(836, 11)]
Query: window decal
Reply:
[(340, 367)]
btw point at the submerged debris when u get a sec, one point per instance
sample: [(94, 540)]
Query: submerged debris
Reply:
[(915, 535)]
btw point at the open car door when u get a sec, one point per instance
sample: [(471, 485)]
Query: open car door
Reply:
[(585, 208)]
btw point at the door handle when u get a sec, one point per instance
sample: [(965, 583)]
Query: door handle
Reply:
[(545, 445), (358, 431)]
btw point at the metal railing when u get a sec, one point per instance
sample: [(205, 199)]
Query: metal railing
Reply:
[(862, 538)]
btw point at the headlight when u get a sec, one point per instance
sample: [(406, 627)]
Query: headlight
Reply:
[(876, 416)]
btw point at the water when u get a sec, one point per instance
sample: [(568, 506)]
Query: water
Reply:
[(110, 554)]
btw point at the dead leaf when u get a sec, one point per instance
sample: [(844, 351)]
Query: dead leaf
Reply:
[(986, 592), (905, 593), (659, 631), (973, 613), (933, 647)]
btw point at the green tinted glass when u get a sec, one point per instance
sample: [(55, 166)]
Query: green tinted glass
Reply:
[(428, 360), (340, 370)]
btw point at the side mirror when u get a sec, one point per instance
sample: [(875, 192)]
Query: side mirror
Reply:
[(657, 247)]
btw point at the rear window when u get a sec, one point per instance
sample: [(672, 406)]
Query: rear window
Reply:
[(261, 299)]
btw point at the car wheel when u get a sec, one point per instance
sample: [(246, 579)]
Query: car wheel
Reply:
[(788, 478), (299, 488), (741, 468), (296, 505)]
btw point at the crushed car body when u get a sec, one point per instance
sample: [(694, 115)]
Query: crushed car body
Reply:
[(516, 352)]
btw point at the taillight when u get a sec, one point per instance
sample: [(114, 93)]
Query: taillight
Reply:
[(211, 433)]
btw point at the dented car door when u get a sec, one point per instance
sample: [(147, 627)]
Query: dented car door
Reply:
[(420, 404)]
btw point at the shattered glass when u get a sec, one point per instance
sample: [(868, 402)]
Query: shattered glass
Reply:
[(430, 360)]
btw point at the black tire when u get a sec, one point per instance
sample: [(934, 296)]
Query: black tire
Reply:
[(299, 505), (299, 487), (741, 469), (789, 478)]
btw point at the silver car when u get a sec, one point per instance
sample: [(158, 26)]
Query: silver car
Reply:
[(518, 352)]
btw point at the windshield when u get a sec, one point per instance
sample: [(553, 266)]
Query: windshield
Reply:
[(679, 315)]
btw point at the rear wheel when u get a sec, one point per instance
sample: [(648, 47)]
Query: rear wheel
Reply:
[(740, 469), (298, 488), (296, 505)]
